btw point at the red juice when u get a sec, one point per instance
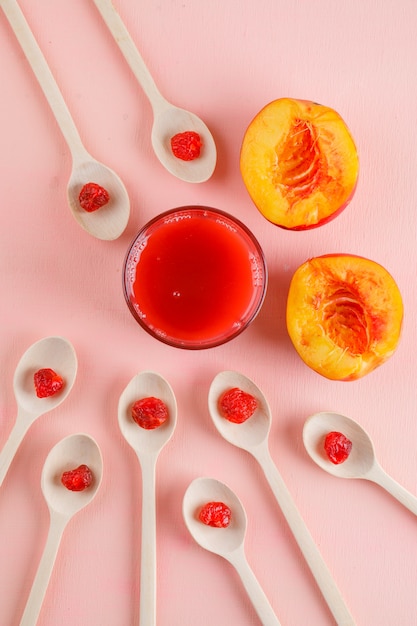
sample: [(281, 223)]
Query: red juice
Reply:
[(194, 277)]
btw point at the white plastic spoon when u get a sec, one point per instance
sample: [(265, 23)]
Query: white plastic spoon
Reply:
[(226, 542), (168, 119), (52, 352), (147, 444), (63, 504), (109, 221), (361, 462), (252, 436)]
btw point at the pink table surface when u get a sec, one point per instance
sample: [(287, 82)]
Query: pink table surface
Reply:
[(225, 62)]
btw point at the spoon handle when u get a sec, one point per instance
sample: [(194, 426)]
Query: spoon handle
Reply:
[(129, 51), (147, 607), (12, 444), (44, 75), (40, 583), (379, 476), (305, 541), (253, 589)]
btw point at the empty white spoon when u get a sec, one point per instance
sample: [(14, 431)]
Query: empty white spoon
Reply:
[(63, 504), (109, 221), (52, 352), (226, 542), (252, 436), (147, 444), (361, 462), (168, 119)]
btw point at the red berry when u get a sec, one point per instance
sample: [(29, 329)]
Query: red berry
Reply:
[(77, 479), (216, 514), (93, 197), (237, 406), (149, 413), (337, 447), (47, 382), (186, 146)]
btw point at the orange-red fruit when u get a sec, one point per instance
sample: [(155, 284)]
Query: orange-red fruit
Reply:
[(92, 197), (150, 412), (337, 447), (186, 146), (344, 315), (299, 163), (47, 382), (216, 514), (77, 479), (237, 406)]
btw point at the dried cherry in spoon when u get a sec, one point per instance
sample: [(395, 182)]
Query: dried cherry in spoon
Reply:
[(361, 462), (147, 444), (109, 221), (63, 504), (169, 120)]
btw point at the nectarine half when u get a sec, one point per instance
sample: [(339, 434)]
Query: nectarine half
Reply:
[(344, 315), (299, 163)]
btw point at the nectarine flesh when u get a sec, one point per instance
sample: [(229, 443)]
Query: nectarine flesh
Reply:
[(344, 315), (299, 163)]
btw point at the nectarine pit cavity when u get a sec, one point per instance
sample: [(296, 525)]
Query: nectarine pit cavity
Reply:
[(301, 164), (345, 320)]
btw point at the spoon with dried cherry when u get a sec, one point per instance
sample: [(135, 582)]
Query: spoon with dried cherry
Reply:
[(104, 219), (147, 415), (169, 121), (53, 354), (77, 455), (251, 434), (361, 461), (227, 541)]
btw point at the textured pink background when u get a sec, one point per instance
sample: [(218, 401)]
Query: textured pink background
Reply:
[(224, 62)]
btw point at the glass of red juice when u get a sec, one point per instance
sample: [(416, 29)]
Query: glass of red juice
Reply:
[(194, 277)]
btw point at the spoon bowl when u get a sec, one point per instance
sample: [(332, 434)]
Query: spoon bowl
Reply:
[(63, 504), (362, 457), (68, 454), (252, 436), (51, 352), (168, 119), (361, 462), (147, 444), (229, 539), (110, 221)]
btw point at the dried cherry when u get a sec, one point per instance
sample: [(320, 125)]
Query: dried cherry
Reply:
[(149, 412), (186, 146), (93, 197), (77, 479), (237, 405), (337, 447), (216, 514), (47, 382)]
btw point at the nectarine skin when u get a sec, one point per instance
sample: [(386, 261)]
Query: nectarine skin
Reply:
[(299, 163), (344, 315)]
